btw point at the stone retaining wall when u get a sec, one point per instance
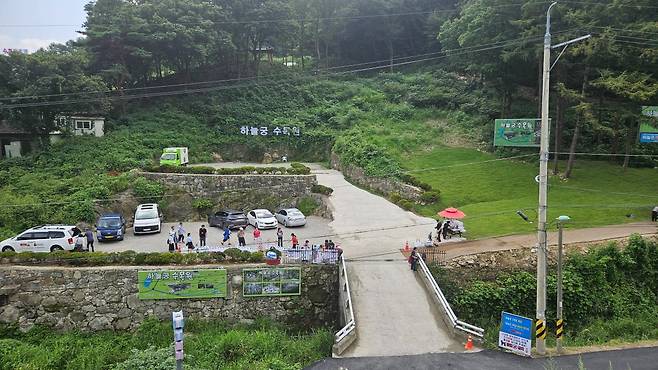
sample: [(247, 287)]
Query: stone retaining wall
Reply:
[(387, 186), (99, 298)]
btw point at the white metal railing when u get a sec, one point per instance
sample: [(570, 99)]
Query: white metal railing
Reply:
[(328, 256), (445, 305), (347, 334)]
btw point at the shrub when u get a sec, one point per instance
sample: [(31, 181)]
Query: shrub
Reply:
[(149, 358), (429, 197), (321, 189), (307, 205), (147, 191), (202, 204)]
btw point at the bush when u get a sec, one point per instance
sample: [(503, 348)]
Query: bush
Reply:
[(147, 191), (150, 358), (321, 189), (202, 204), (429, 197), (307, 205)]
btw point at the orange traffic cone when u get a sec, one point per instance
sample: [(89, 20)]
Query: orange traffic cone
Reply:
[(406, 246), (469, 344)]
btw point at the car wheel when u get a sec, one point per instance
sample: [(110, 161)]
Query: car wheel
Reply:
[(56, 248), (285, 223), (7, 248)]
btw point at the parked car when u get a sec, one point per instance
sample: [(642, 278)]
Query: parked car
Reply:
[(228, 217), (261, 219), (110, 226), (291, 217), (46, 238), (148, 219)]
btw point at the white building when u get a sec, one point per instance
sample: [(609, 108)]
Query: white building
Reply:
[(78, 125)]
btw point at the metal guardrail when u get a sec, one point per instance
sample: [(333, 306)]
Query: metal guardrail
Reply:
[(347, 334), (445, 305), (329, 256)]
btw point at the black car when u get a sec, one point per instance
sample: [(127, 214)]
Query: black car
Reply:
[(228, 217)]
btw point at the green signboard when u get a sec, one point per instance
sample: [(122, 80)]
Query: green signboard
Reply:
[(177, 284), (649, 125), (517, 132), (276, 281)]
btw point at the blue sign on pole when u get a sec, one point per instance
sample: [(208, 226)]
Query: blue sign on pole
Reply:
[(515, 333)]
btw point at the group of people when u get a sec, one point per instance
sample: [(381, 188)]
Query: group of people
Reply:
[(448, 227), (82, 238), (178, 235)]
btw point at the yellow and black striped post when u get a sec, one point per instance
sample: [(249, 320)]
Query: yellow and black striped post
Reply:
[(559, 330), (540, 329)]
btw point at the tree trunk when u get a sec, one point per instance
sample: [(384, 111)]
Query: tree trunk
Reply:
[(630, 137), (576, 132), (317, 44)]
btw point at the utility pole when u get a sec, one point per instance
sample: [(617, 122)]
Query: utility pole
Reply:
[(540, 326)]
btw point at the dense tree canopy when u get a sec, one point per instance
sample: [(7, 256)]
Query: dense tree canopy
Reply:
[(132, 44)]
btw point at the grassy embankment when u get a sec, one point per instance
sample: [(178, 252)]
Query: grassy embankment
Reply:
[(208, 345)]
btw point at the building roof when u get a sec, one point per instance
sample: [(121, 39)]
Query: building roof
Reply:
[(7, 129)]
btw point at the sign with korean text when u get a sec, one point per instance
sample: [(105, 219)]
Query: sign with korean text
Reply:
[(515, 333), (180, 284), (649, 125), (278, 281), (517, 132), (270, 131)]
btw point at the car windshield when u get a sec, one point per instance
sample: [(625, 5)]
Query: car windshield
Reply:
[(263, 214), (168, 156), (236, 215), (146, 215), (107, 223)]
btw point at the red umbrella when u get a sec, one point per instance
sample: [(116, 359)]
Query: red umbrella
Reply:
[(452, 213)]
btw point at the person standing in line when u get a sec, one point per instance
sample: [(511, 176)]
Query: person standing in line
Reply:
[(189, 242), (241, 241), (257, 239), (90, 239), (654, 214), (172, 233), (279, 237), (294, 240), (181, 232), (171, 242), (227, 235), (202, 235), (307, 245)]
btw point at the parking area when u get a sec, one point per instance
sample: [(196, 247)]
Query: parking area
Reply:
[(316, 230)]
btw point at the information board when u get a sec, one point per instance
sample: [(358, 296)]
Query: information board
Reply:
[(525, 132), (279, 281), (515, 333), (178, 284), (649, 125)]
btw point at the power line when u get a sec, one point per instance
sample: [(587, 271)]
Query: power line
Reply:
[(606, 154), (610, 5), (606, 192)]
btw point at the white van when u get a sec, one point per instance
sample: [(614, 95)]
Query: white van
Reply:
[(148, 219), (46, 238)]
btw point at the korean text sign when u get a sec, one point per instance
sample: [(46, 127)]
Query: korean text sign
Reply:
[(269, 131), (515, 333), (517, 132), (180, 284), (649, 125), (271, 282)]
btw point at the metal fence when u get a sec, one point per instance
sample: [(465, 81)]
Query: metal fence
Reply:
[(433, 255), (452, 319), (347, 334), (329, 256)]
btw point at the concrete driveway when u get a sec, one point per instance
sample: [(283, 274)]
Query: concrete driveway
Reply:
[(316, 230)]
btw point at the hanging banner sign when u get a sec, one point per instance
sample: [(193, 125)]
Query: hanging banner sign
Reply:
[(180, 284), (649, 125), (515, 333), (524, 132), (268, 131)]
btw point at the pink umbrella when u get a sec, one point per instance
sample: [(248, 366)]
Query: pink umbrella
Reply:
[(452, 213)]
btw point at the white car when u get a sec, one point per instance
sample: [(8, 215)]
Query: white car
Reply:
[(46, 238), (261, 219), (148, 219), (291, 217)]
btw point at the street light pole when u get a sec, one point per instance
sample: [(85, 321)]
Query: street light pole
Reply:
[(540, 325)]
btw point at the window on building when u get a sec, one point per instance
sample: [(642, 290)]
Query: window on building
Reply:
[(83, 125)]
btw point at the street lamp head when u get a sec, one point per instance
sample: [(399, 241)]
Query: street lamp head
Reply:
[(563, 218)]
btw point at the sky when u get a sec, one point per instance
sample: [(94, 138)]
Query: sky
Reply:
[(31, 13)]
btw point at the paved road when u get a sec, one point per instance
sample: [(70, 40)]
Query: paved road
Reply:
[(635, 359), (315, 230), (393, 312)]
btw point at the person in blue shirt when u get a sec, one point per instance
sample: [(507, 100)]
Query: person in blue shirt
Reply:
[(227, 235)]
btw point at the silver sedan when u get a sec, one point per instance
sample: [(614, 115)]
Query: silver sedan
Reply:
[(291, 217)]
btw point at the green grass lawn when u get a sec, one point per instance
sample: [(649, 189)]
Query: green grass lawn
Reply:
[(598, 193)]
